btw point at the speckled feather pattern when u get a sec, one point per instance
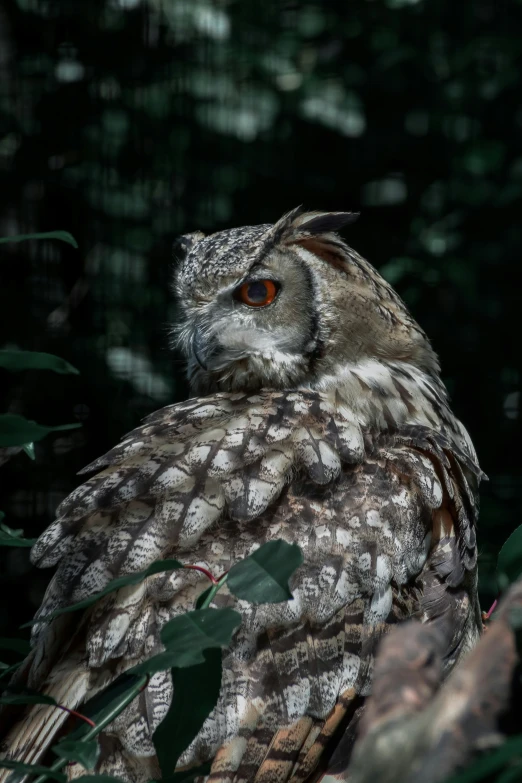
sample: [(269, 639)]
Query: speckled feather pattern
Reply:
[(356, 458), (361, 508)]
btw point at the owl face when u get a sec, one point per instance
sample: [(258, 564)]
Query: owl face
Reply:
[(282, 305)]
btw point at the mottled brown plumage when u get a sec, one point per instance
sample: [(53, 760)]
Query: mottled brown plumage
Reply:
[(325, 423)]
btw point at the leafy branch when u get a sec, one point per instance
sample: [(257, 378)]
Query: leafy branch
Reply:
[(192, 652), (64, 236), (17, 432)]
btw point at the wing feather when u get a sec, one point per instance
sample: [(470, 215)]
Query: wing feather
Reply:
[(386, 525)]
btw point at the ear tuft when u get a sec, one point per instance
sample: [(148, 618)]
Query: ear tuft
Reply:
[(185, 243), (315, 232), (285, 225), (324, 222), (296, 224)]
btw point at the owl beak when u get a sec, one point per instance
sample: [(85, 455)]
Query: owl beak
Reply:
[(211, 355)]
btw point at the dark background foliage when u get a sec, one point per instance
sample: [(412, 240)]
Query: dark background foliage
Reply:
[(128, 122)]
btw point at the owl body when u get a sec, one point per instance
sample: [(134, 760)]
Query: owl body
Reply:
[(321, 420)]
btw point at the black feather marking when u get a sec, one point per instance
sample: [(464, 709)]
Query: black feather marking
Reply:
[(329, 221)]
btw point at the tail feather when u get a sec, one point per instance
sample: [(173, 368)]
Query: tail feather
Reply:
[(33, 734)]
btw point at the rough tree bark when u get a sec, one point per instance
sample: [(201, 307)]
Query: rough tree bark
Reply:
[(417, 728)]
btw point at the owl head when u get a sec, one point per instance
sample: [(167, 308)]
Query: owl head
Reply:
[(288, 304)]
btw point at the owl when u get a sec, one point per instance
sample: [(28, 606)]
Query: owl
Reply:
[(319, 417)]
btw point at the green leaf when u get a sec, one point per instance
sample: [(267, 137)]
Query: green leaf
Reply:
[(18, 645), (10, 537), (85, 753), (33, 769), (186, 636), (488, 763), (8, 670), (199, 630), (512, 774), (196, 691), (509, 563), (206, 599), (27, 697), (202, 597), (103, 708), (100, 779), (263, 576), (33, 360), (121, 581), (16, 430), (63, 235), (158, 663)]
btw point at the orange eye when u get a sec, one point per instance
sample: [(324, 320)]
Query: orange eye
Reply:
[(257, 293)]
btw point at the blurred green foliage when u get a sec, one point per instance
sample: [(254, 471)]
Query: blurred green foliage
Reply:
[(132, 121)]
